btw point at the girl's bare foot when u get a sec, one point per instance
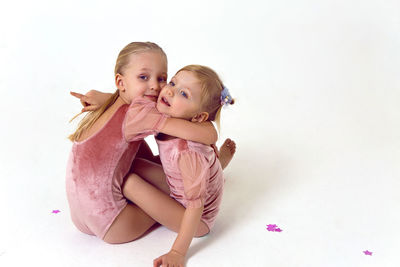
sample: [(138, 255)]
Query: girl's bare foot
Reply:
[(226, 152)]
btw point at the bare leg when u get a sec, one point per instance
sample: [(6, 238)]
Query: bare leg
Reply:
[(152, 172), (130, 224), (158, 205), (134, 221), (226, 152)]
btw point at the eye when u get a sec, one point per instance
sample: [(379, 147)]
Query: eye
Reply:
[(171, 83), (162, 79), (144, 77), (183, 94)]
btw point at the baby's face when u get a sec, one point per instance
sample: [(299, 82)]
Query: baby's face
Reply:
[(181, 98), (144, 76)]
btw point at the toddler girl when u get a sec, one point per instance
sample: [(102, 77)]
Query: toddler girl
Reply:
[(192, 169), (104, 148)]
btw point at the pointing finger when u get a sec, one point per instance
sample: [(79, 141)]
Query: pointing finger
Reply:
[(77, 95)]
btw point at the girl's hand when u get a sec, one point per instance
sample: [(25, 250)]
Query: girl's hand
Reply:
[(172, 258), (92, 100)]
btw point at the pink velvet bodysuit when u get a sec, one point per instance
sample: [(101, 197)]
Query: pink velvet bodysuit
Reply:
[(194, 175), (98, 165)]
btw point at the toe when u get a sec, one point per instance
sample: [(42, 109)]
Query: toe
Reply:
[(233, 147)]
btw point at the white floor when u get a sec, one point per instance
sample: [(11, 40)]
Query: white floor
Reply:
[(317, 126)]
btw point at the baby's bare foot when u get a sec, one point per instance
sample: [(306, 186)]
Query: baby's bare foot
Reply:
[(226, 152)]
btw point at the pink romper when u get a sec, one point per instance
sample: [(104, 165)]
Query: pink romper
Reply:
[(98, 165), (194, 175)]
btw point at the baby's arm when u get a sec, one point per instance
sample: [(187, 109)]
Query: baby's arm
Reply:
[(195, 173), (143, 119), (176, 256), (93, 100), (199, 132), (203, 132)]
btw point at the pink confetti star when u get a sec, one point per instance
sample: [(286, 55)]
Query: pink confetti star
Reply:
[(55, 211), (273, 228), (368, 253)]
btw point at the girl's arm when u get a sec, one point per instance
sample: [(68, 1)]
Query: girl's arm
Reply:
[(176, 256), (203, 132), (92, 100)]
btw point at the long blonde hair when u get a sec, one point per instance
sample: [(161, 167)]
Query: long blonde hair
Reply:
[(212, 87), (122, 61)]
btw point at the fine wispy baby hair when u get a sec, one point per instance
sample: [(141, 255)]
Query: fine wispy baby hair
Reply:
[(212, 90)]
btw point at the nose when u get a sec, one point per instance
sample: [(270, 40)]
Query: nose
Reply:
[(155, 85), (169, 91)]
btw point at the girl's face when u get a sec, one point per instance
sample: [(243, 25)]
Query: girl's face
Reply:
[(181, 98), (144, 76)]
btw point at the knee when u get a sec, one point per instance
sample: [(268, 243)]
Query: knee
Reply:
[(129, 182), (117, 235), (202, 230), (201, 234), (110, 242), (110, 239), (116, 241)]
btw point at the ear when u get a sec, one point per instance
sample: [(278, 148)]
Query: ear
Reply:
[(201, 117), (119, 82)]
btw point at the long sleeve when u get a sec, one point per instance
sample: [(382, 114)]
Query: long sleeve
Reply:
[(142, 119), (195, 172)]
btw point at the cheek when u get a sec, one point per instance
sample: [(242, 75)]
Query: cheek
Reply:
[(185, 109)]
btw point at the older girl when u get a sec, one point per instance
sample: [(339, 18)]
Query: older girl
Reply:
[(104, 148)]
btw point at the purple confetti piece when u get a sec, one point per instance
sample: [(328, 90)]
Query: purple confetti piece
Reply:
[(273, 228), (368, 253), (55, 211)]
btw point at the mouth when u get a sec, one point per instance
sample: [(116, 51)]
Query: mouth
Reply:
[(165, 101), (152, 97)]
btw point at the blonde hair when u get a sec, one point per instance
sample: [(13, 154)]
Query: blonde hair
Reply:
[(120, 65), (212, 87)]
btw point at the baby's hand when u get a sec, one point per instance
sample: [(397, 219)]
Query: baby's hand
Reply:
[(172, 258), (92, 100)]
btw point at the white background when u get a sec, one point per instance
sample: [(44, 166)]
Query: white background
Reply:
[(316, 122)]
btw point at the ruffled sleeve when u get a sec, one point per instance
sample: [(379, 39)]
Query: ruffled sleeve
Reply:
[(142, 119), (195, 171)]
